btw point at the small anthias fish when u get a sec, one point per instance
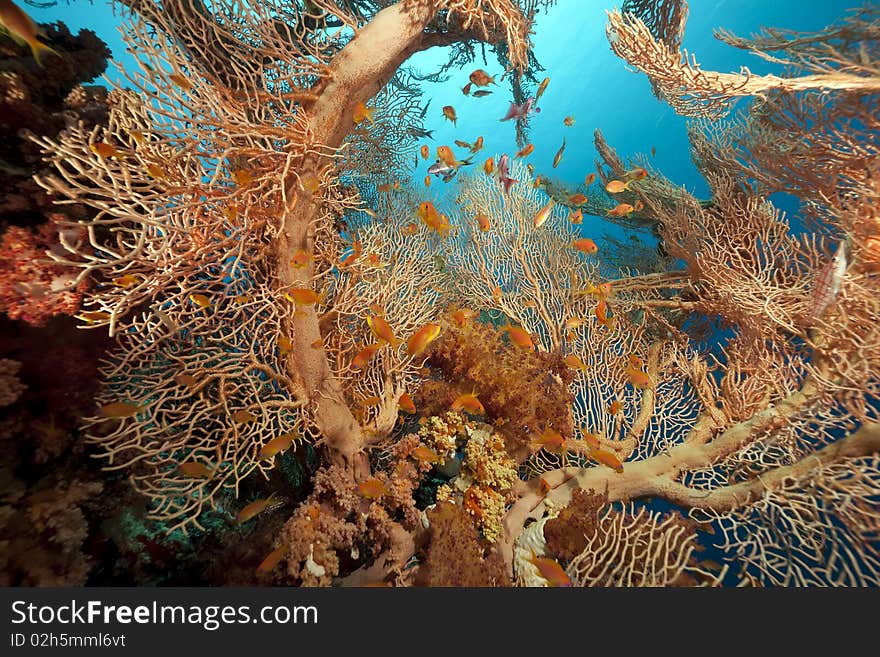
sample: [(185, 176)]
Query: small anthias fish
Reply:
[(361, 112), (276, 446), (186, 380), (118, 409), (553, 573), (608, 459), (23, 29), (543, 214), (300, 259), (576, 217), (302, 296), (615, 186), (589, 179), (483, 222), (92, 316), (103, 149), (461, 316), (468, 402), (275, 556), (551, 440), (477, 145), (519, 337), (406, 404), (195, 469), (558, 157), (424, 151), (541, 89), (422, 338), (449, 113), (568, 121), (255, 508), (574, 362), (585, 245), (489, 166), (372, 489), (200, 300), (525, 151), (243, 416), (382, 330), (425, 454), (364, 356), (466, 89), (621, 210), (481, 92), (481, 79), (827, 283)]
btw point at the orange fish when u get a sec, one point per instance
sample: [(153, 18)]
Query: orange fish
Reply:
[(187, 380), (356, 250), (364, 356), (156, 171), (200, 300), (317, 344), (195, 470), (372, 489), (300, 259), (406, 403), (242, 416), (541, 88), (274, 558), (615, 186), (525, 151), (23, 29), (591, 439), (543, 214), (577, 199), (620, 210), (432, 218), (585, 245), (276, 445), (425, 454), (382, 330), (118, 409), (574, 362), (126, 281), (424, 151), (636, 174), (603, 290), (550, 570), (242, 177), (255, 508), (481, 78), (92, 316), (422, 338), (590, 179), (302, 296), (477, 146), (615, 407), (607, 458), (449, 113), (551, 440), (574, 323), (362, 112), (496, 293), (638, 378), (410, 229), (483, 221), (427, 181), (468, 402), (639, 206), (462, 315), (576, 217), (489, 166), (284, 344), (387, 187), (519, 337), (445, 153), (102, 149), (466, 89), (602, 313), (462, 144), (568, 121)]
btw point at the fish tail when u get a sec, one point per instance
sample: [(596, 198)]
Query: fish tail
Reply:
[(38, 48)]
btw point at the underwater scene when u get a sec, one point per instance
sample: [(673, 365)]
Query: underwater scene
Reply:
[(440, 293)]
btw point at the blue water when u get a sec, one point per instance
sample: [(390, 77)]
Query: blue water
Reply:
[(587, 80)]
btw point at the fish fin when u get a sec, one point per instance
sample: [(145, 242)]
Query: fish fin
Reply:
[(508, 182), (38, 48)]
